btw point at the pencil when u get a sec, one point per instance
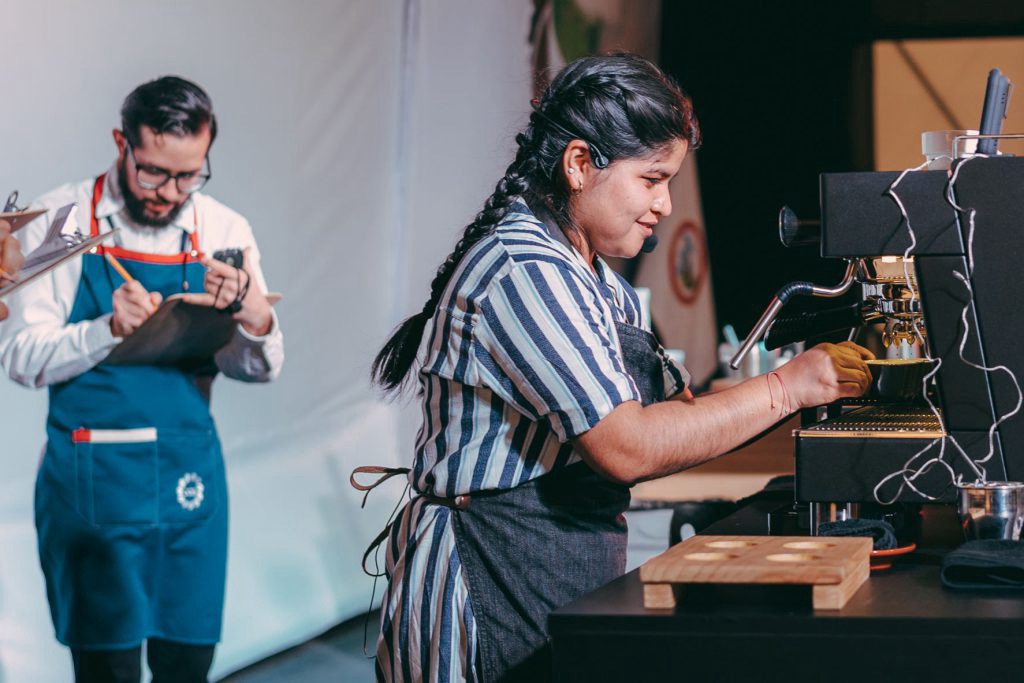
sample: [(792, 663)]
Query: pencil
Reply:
[(119, 268)]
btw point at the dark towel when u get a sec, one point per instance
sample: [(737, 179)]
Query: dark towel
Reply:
[(881, 531), (985, 564)]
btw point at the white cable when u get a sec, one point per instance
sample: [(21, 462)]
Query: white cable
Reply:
[(907, 469), (965, 280), (976, 465), (1008, 371)]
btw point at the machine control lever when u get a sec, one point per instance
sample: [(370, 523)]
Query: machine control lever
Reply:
[(794, 232)]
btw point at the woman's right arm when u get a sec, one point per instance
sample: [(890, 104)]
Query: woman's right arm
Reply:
[(634, 443)]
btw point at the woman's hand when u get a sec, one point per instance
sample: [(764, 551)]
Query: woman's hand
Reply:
[(825, 373)]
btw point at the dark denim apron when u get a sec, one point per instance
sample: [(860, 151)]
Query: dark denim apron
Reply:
[(529, 550)]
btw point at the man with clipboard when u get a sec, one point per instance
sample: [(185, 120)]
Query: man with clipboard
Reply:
[(131, 500)]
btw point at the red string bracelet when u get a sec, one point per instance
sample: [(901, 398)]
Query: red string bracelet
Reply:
[(782, 385)]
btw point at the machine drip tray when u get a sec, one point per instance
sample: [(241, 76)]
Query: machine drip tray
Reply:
[(881, 421)]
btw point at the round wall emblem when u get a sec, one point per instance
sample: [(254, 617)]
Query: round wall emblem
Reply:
[(190, 491), (687, 261)]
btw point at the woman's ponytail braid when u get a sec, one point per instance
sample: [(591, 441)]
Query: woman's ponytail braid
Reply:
[(620, 104), (392, 364)]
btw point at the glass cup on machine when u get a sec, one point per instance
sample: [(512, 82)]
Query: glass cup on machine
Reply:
[(938, 147)]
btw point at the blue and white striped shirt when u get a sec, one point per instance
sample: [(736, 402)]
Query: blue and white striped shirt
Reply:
[(521, 356)]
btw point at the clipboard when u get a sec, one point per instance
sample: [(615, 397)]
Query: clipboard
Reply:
[(63, 242), (178, 334), (19, 219)]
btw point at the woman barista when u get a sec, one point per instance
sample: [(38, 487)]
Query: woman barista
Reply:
[(543, 398)]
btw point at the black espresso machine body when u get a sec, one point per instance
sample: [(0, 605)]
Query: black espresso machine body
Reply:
[(865, 452)]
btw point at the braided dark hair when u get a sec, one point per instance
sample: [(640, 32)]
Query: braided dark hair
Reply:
[(620, 103)]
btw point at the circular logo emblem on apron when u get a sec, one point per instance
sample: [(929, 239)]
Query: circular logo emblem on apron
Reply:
[(687, 266), (190, 491)]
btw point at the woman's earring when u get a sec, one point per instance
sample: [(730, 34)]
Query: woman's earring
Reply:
[(571, 171)]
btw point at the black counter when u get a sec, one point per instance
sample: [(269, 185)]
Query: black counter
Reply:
[(901, 625)]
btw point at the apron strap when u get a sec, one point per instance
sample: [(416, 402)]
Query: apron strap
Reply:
[(456, 503), (371, 549), (385, 472), (97, 192), (460, 502)]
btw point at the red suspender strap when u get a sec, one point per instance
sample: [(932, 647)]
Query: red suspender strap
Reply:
[(97, 192), (195, 232), (94, 230)]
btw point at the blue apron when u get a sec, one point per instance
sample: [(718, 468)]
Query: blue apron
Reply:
[(131, 500)]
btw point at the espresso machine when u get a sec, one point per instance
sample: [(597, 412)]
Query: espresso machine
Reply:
[(952, 279)]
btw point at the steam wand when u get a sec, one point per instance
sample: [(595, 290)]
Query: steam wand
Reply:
[(780, 299)]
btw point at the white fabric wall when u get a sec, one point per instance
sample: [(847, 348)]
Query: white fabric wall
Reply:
[(357, 136)]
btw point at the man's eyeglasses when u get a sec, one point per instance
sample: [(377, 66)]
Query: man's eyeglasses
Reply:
[(153, 177)]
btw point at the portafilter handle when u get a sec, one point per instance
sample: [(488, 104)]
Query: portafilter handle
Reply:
[(780, 299), (795, 327)]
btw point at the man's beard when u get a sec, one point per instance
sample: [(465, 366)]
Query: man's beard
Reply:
[(136, 207)]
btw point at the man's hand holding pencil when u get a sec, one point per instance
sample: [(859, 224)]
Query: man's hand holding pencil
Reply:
[(132, 303)]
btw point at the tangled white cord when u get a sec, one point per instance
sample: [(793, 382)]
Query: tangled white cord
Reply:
[(907, 472), (966, 281)]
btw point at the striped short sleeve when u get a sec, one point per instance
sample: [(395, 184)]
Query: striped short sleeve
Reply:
[(551, 337)]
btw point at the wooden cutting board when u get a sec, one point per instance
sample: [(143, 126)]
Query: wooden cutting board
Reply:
[(835, 567)]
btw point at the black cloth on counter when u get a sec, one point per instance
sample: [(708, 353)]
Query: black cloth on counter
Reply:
[(881, 531), (985, 564)]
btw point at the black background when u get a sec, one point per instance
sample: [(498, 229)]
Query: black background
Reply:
[(783, 92)]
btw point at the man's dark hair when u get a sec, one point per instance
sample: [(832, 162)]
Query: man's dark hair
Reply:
[(167, 105)]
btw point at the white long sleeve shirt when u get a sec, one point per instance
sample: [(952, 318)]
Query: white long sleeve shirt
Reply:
[(37, 345)]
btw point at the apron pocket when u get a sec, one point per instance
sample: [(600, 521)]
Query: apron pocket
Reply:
[(117, 475), (190, 475)]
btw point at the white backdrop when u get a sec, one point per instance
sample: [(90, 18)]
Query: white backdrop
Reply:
[(357, 136)]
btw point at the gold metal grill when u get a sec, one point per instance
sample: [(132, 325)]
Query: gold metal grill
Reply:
[(905, 422)]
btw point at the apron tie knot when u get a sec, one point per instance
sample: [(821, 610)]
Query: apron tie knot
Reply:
[(384, 472)]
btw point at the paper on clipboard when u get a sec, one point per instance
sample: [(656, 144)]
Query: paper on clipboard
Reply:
[(63, 242)]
